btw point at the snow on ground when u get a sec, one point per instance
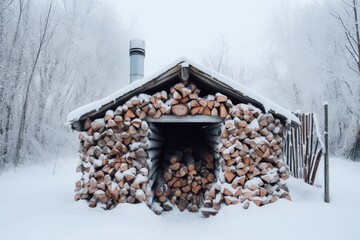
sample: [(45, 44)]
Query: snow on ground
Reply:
[(35, 204)]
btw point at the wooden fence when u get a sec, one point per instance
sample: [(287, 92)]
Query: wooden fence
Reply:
[(304, 148)]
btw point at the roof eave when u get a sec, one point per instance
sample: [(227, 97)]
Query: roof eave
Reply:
[(148, 84), (207, 76)]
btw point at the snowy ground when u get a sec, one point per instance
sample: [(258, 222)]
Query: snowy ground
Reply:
[(35, 204)]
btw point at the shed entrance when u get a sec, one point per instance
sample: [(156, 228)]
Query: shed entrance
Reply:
[(186, 164)]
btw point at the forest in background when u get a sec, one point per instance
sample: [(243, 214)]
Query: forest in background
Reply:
[(58, 55), (310, 56), (54, 57)]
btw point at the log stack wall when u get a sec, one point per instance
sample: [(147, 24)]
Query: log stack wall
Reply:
[(121, 153)]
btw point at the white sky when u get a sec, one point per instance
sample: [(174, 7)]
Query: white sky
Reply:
[(187, 28)]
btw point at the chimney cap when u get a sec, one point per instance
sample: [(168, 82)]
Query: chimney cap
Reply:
[(137, 46)]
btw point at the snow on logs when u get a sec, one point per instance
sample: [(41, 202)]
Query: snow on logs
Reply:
[(187, 174), (120, 154)]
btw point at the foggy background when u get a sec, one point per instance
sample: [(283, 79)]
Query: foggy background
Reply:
[(57, 55)]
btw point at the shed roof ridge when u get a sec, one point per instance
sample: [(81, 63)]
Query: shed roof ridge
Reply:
[(269, 105)]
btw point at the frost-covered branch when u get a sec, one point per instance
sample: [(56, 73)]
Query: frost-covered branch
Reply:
[(352, 34), (48, 68)]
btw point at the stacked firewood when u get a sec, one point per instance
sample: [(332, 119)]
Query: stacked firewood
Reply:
[(186, 101), (120, 155), (114, 161), (187, 174), (251, 165)]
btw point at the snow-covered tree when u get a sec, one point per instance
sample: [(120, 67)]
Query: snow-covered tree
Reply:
[(311, 54), (348, 17), (55, 56), (218, 59)]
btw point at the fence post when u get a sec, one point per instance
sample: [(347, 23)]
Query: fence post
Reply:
[(326, 162)]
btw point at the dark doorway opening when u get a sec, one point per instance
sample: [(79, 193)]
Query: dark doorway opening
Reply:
[(187, 162)]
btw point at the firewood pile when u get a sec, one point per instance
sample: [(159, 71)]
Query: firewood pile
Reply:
[(124, 160), (187, 174)]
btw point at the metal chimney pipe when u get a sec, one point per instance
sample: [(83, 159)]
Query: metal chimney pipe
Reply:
[(137, 56)]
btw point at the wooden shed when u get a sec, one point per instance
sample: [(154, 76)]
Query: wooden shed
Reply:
[(185, 137)]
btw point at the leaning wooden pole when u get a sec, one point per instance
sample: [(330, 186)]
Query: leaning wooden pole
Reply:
[(326, 167)]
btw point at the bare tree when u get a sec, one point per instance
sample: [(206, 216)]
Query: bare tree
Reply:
[(351, 29), (12, 60), (217, 58), (50, 67), (350, 25), (46, 34)]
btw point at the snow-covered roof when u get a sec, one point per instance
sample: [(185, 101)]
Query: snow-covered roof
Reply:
[(209, 77)]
